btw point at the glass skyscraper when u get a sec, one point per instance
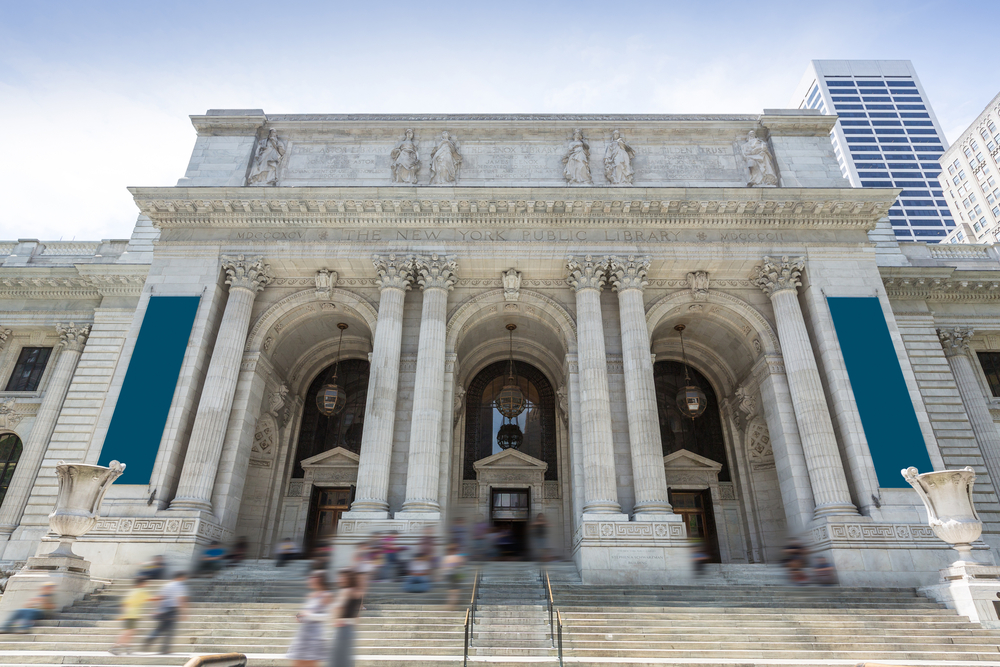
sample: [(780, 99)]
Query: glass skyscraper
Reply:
[(887, 136)]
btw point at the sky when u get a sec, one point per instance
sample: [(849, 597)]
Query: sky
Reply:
[(95, 96)]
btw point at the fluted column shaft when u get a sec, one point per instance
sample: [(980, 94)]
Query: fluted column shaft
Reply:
[(436, 276), (73, 339), (956, 349), (628, 277), (587, 277), (372, 495), (779, 281), (245, 276)]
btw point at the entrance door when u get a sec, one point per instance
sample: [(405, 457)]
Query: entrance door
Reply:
[(510, 510), (325, 509), (696, 509)]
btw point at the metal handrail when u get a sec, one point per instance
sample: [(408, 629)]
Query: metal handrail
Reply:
[(465, 657), (552, 630), (559, 620), (474, 602)]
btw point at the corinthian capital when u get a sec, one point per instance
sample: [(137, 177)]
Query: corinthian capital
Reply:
[(394, 271), (435, 272), (778, 276), (955, 341), (586, 273), (628, 273), (73, 337), (250, 273), (4, 335)]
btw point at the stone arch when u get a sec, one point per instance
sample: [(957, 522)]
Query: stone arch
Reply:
[(301, 300), (530, 304), (731, 311), (496, 349)]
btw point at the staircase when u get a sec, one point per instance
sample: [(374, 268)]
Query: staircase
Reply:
[(512, 613), (251, 609)]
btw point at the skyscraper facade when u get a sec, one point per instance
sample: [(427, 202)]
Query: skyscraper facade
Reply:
[(887, 136), (970, 179)]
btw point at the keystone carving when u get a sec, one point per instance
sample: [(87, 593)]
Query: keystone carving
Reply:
[(326, 280), (511, 285), (698, 282)]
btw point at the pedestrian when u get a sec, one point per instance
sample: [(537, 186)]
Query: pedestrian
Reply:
[(419, 580), (344, 615), (171, 603), (451, 568), (154, 569), (212, 560), (238, 552), (539, 537), (132, 608), (285, 551), (310, 645), (36, 608), (823, 573)]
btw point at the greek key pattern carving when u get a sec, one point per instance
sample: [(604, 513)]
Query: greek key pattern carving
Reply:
[(874, 536), (621, 531), (156, 528)]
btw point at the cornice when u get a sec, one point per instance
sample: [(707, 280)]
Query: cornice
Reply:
[(83, 281), (941, 284), (224, 207)]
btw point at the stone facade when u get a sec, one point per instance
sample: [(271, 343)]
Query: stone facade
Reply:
[(738, 227)]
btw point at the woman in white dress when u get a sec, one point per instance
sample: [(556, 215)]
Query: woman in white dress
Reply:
[(311, 645)]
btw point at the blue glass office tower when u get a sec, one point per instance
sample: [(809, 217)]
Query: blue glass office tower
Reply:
[(887, 136)]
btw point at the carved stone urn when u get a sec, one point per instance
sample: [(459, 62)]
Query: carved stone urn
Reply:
[(951, 514), (81, 490)]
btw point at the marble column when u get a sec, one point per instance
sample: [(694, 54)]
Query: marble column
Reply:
[(71, 343), (628, 278), (956, 348), (779, 280), (246, 276), (587, 277), (436, 276), (372, 496)]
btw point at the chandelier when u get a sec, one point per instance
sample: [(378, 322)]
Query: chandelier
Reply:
[(691, 399), (510, 403), (331, 398)]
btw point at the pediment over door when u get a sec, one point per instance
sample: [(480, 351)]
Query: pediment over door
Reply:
[(510, 467), (686, 469), (334, 466)]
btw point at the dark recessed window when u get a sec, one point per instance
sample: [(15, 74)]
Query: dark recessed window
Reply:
[(990, 362), (10, 452), (28, 371)]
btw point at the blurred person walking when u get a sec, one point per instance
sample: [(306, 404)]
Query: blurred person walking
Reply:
[(539, 538), (285, 551), (132, 607), (36, 608), (311, 645), (419, 580), (344, 615), (171, 603), (451, 568)]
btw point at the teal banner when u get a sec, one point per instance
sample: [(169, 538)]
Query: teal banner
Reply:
[(141, 413), (887, 413)]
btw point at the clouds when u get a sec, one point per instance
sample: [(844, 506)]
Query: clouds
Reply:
[(96, 95)]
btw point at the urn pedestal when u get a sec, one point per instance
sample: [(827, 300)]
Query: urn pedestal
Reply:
[(78, 502), (969, 587)]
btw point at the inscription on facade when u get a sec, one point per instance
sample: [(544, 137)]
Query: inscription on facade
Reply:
[(512, 235)]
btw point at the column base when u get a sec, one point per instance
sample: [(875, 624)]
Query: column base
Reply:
[(196, 504), (835, 509), (657, 516), (617, 517), (365, 515), (971, 589)]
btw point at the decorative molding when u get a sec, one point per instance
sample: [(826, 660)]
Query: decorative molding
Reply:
[(630, 533), (394, 271), (155, 529), (727, 491), (245, 272), (831, 208), (31, 282), (955, 341), (876, 536), (982, 286)]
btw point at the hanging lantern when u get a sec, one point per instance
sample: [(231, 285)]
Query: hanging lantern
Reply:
[(509, 436), (691, 400), (331, 398), (510, 401)]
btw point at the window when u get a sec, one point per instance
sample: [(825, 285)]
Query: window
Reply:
[(991, 126), (966, 202), (972, 197), (996, 211), (976, 227), (974, 145), (28, 370), (956, 181), (951, 170), (978, 209), (10, 452), (961, 174), (990, 361)]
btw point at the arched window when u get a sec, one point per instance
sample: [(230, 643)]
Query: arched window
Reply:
[(702, 436), (318, 433), (10, 452), (483, 420)]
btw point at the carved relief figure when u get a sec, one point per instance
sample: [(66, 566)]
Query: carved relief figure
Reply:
[(267, 160), (445, 161), (577, 161), (405, 160), (698, 281), (759, 161), (618, 161), (511, 285)]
